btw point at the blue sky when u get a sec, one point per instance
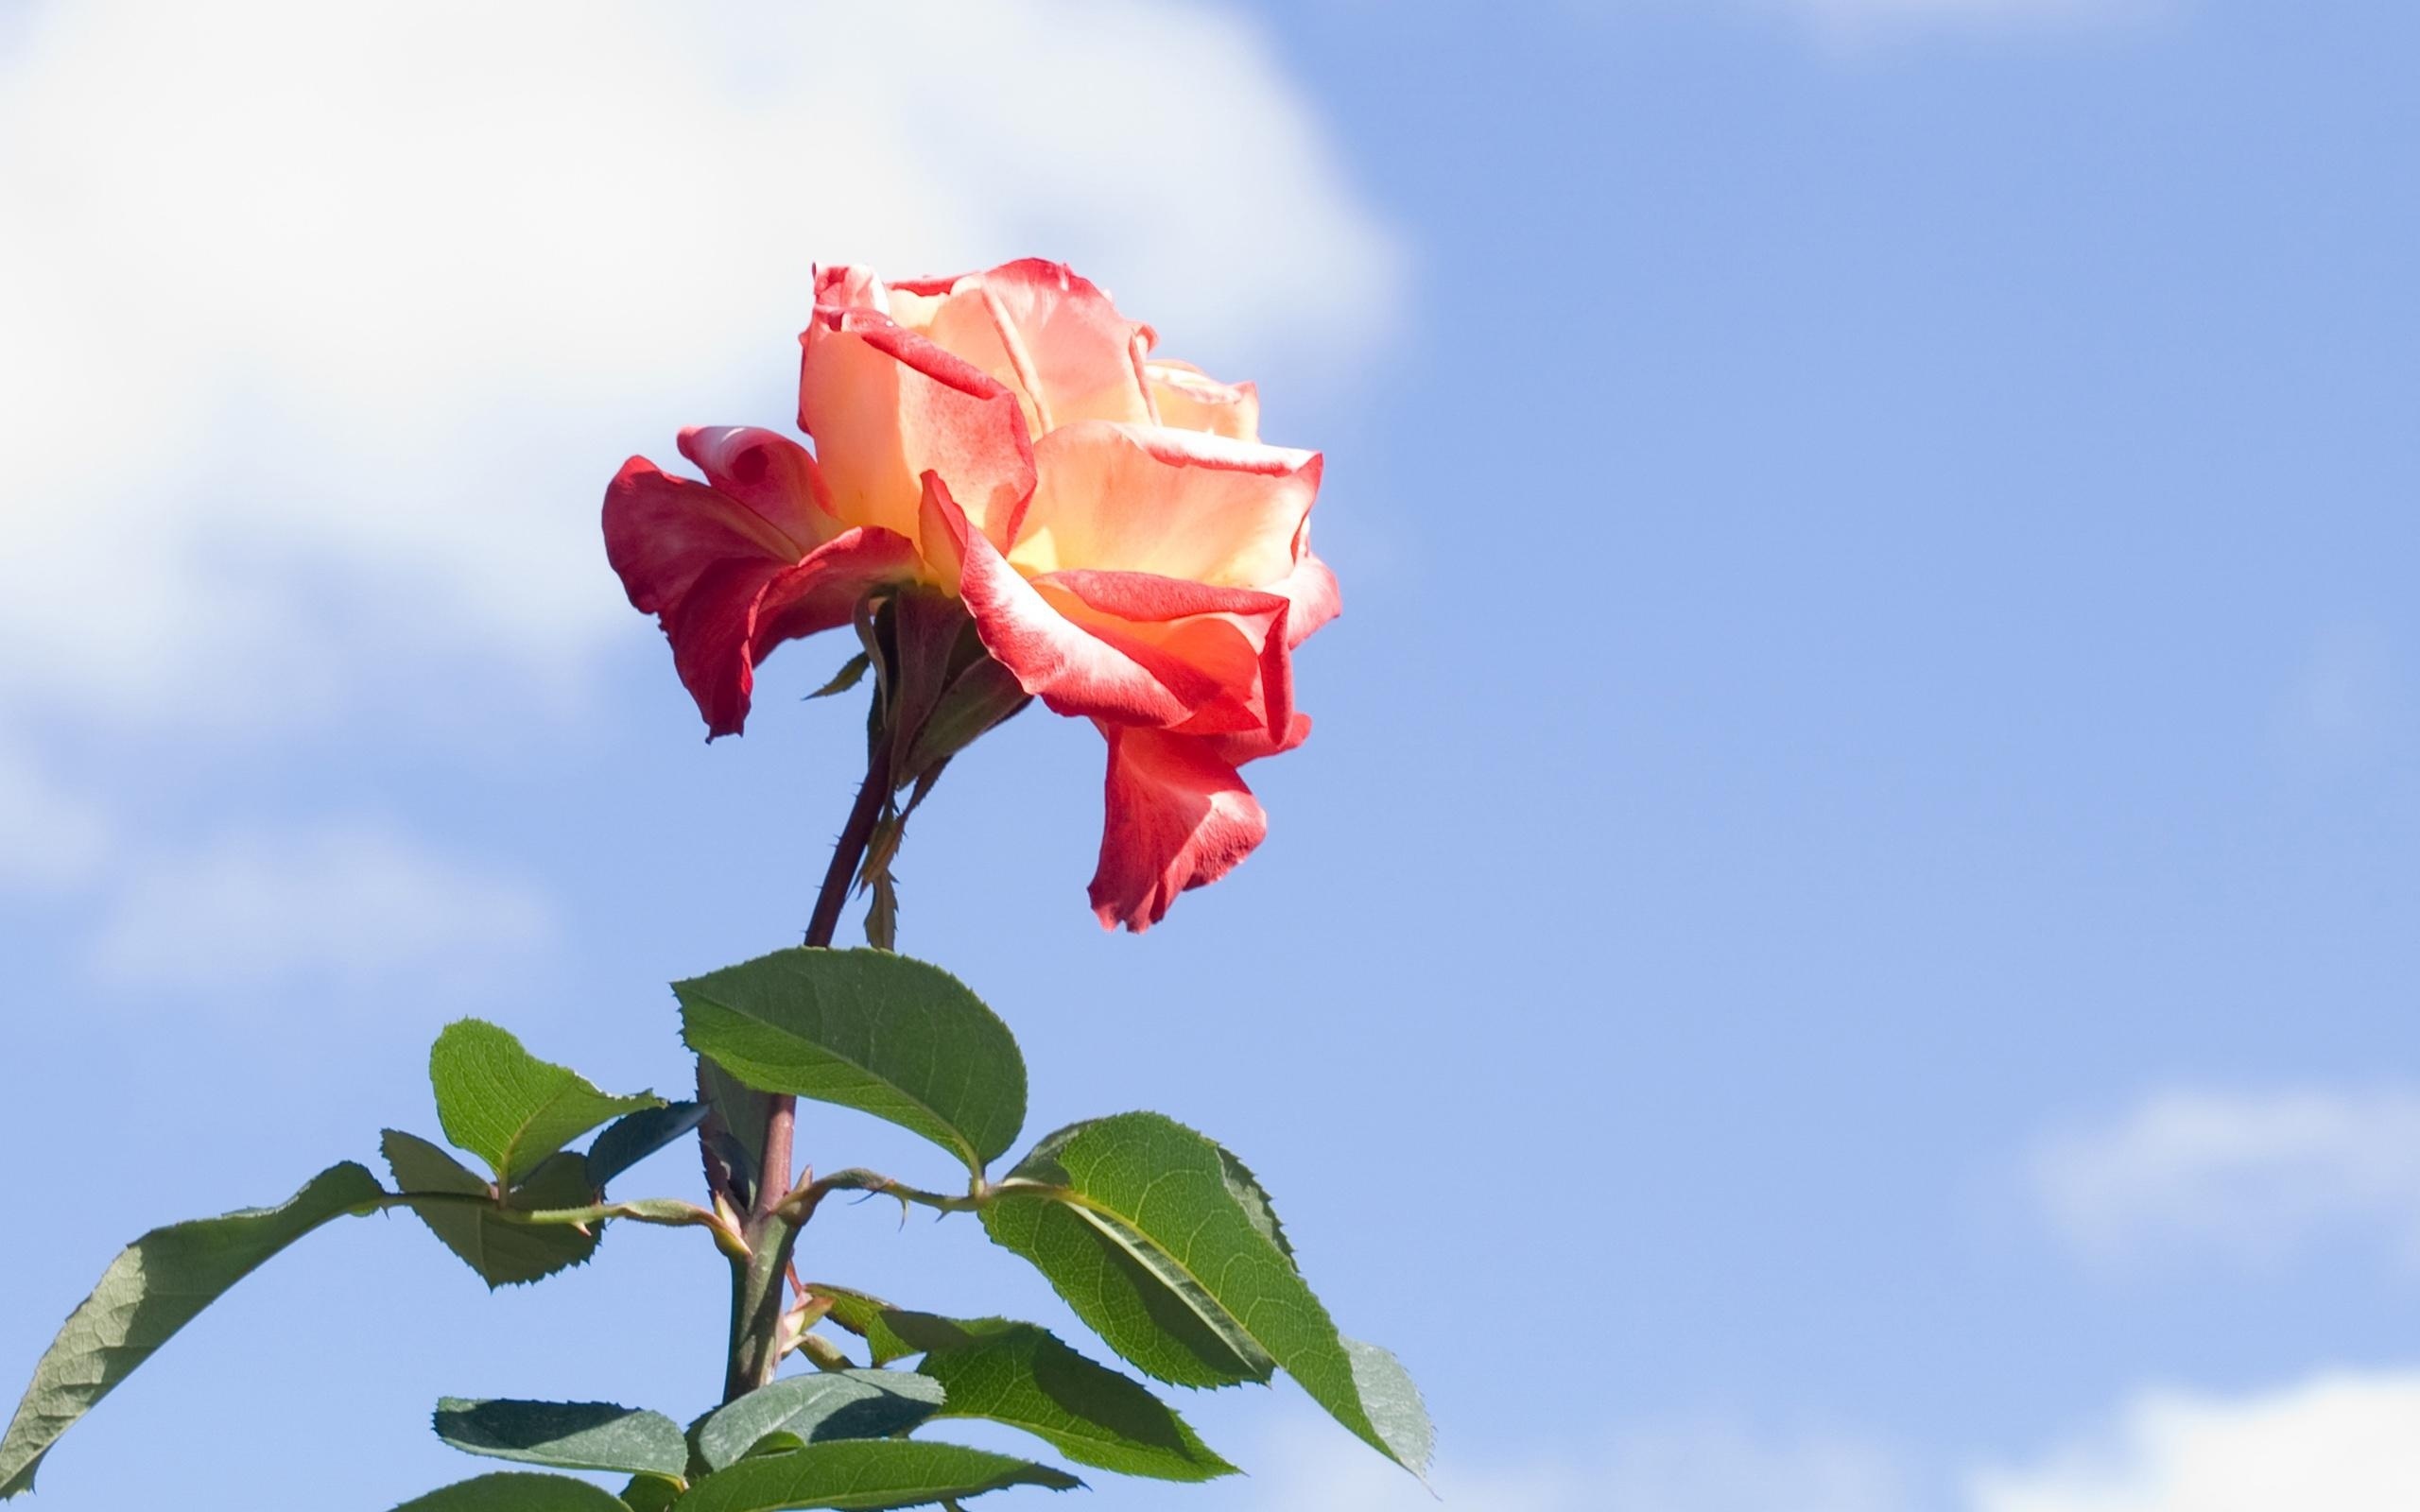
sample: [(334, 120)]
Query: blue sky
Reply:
[(1845, 939)]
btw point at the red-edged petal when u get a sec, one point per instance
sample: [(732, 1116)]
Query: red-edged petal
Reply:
[(1052, 336), (1178, 818), (1311, 589), (884, 404), (1180, 503), (770, 473), (662, 532), (739, 609), (1069, 667), (1191, 400), (822, 591), (1235, 636), (726, 585)]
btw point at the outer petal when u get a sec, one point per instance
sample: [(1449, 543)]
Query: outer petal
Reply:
[(884, 404), (1179, 503), (1069, 668), (1237, 636), (726, 585), (1311, 589), (663, 532), (1178, 818), (770, 473), (1190, 400), (1053, 336)]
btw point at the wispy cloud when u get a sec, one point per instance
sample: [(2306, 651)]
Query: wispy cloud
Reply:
[(2341, 1441), (2248, 1176), (350, 902), (2344, 1443), (51, 836), (1673, 1467), (327, 323)]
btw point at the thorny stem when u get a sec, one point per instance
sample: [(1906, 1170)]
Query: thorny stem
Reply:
[(756, 1296)]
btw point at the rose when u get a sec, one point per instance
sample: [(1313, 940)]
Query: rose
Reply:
[(1124, 545)]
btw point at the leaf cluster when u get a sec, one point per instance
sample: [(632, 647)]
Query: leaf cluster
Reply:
[(1158, 1239)]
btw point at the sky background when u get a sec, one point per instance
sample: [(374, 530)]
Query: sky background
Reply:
[(1847, 940)]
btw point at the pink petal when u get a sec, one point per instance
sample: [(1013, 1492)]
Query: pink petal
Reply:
[(885, 405), (1190, 400), (1178, 504), (1053, 336), (1178, 818), (1235, 636), (1072, 670)]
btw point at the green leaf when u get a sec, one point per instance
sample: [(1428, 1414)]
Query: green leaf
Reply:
[(506, 1106), (517, 1491), (569, 1435), (154, 1287), (851, 672), (648, 1493), (880, 1032), (868, 1319), (837, 1404), (631, 1140), (1020, 1374), (1254, 1199), (503, 1253), (1394, 1404), (734, 1130), (1138, 1222), (865, 1475)]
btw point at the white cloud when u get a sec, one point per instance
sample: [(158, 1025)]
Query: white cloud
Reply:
[(351, 902), (322, 325), (1675, 1466), (51, 839), (2344, 1443), (2251, 1175)]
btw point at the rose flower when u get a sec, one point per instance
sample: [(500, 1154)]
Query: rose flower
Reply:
[(1126, 547)]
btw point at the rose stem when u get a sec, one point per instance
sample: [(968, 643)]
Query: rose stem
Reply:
[(756, 1284)]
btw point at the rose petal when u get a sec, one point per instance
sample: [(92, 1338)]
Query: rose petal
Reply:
[(1053, 336), (662, 532), (726, 585), (770, 473), (884, 404), (1179, 503), (1191, 400), (1069, 667), (1237, 636), (1178, 818)]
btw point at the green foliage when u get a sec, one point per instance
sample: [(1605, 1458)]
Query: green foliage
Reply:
[(851, 672), (868, 1317), (1393, 1405), (649, 1493), (1138, 1222), (506, 1106), (154, 1287), (517, 1491), (1021, 1375), (629, 1140), (505, 1253), (795, 1410), (866, 1475), (880, 1032), (568, 1435), (735, 1128)]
